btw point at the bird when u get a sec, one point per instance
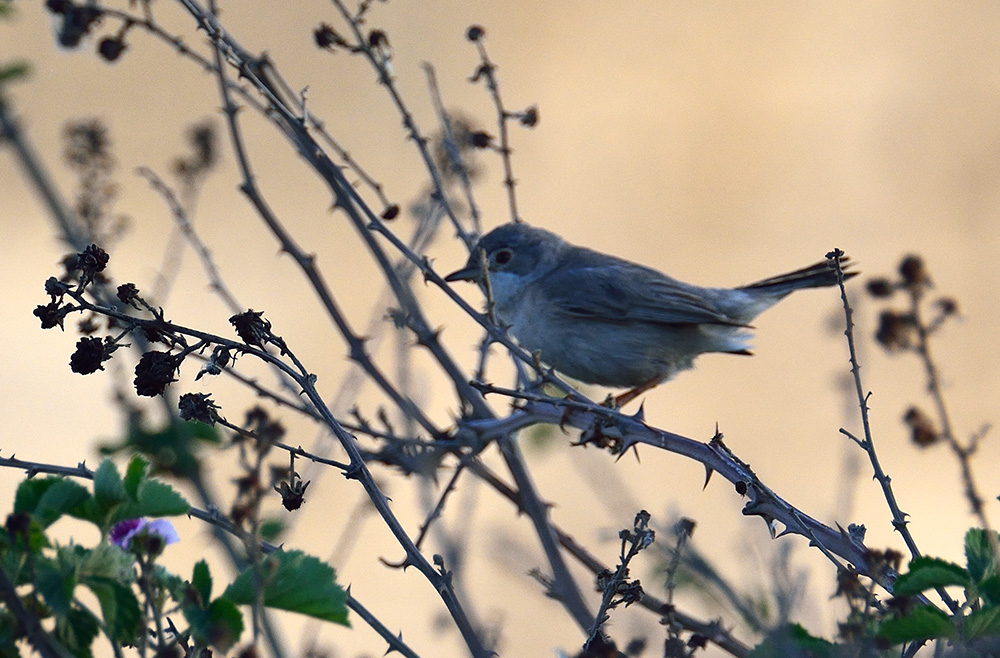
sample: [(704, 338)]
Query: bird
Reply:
[(604, 320)]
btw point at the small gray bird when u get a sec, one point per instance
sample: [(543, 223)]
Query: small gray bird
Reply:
[(607, 321)]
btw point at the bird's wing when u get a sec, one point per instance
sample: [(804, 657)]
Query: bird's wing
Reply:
[(629, 293)]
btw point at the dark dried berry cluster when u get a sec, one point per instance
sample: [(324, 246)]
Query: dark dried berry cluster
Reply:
[(292, 493), (475, 33), (192, 168), (901, 330), (896, 331), (391, 212), (111, 48), (254, 330), (153, 372), (529, 117), (259, 422), (326, 37), (90, 354), (75, 20), (480, 139), (220, 359), (200, 407), (89, 263), (85, 267), (52, 314), (923, 431)]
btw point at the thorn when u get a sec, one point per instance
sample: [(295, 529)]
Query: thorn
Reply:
[(717, 437), (392, 648), (402, 564), (708, 476), (635, 449), (563, 419), (771, 524), (640, 415)]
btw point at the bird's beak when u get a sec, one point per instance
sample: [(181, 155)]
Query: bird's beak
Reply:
[(471, 272)]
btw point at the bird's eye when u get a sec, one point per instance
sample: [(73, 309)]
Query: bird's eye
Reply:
[(503, 256)]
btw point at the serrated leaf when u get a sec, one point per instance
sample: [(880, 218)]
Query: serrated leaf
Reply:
[(984, 622), (219, 625), (109, 490), (989, 589), (921, 623), (106, 561), (295, 582), (927, 573), (46, 499), (153, 499), (201, 581), (14, 547), (173, 449), (135, 473), (55, 583), (76, 631), (979, 555), (120, 609), (160, 499)]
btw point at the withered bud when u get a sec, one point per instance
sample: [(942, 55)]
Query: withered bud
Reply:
[(880, 287), (947, 306), (480, 139), (923, 431), (914, 272), (391, 212), (529, 117), (895, 330)]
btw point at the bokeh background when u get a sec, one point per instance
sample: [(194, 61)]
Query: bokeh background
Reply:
[(721, 142)]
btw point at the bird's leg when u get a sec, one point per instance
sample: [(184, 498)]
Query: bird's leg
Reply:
[(626, 397)]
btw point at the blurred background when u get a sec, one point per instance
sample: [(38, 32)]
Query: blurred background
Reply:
[(719, 142)]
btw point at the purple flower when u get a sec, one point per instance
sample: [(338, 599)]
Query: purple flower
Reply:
[(160, 531)]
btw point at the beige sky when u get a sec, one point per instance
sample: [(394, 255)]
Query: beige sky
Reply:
[(720, 142)]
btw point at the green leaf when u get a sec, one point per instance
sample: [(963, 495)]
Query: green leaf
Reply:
[(149, 497), (14, 546), (135, 473), (154, 499), (921, 623), (106, 561), (46, 499), (927, 573), (13, 71), (979, 555), (295, 582), (120, 609), (160, 499), (76, 631), (271, 529), (174, 449), (218, 625), (55, 581), (201, 581), (984, 622), (109, 490), (9, 635), (792, 640), (989, 589)]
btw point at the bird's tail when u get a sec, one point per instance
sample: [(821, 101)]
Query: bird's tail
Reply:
[(815, 276)]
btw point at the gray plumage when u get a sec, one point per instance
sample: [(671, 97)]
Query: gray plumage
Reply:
[(604, 320)]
